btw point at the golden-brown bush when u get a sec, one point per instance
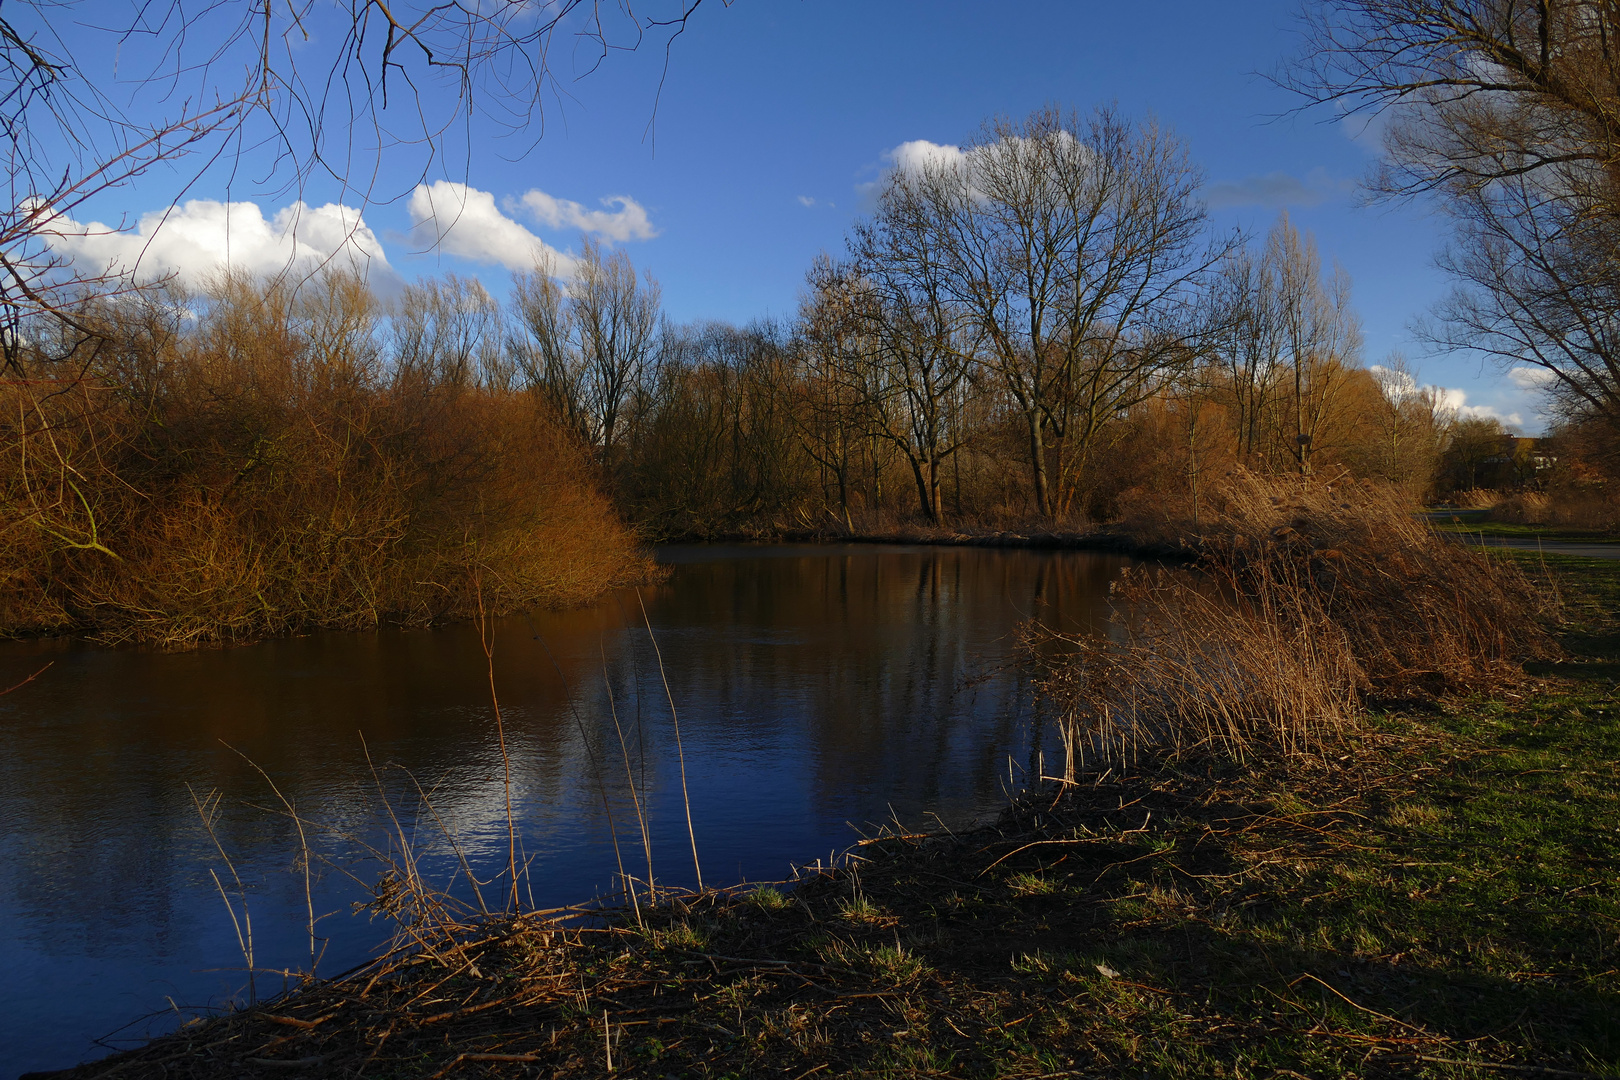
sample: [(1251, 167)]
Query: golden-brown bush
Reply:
[(263, 469)]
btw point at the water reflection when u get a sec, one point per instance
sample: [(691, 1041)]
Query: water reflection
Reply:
[(816, 687)]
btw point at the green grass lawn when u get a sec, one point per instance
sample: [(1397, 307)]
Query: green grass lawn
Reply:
[(1474, 523)]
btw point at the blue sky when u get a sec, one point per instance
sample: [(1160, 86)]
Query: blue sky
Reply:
[(775, 113)]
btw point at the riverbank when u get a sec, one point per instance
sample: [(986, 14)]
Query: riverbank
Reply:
[(1437, 899), (1107, 539)]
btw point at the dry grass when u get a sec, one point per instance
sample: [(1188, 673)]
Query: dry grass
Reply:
[(1421, 617), (1194, 671), (270, 468), (1582, 509), (1309, 598), (1479, 498)]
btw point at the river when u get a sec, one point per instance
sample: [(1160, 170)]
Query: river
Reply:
[(819, 690)]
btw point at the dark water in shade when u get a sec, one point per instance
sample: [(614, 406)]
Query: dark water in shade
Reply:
[(816, 687)]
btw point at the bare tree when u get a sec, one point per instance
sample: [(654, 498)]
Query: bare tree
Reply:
[(446, 334), (1475, 91), (588, 345), (1245, 350), (920, 345), (1076, 246), (720, 446), (1510, 111), (834, 347), (543, 346), (616, 318), (1412, 427), (1318, 333)]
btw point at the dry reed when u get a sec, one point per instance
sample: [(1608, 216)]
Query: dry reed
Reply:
[(1309, 599), (1584, 509)]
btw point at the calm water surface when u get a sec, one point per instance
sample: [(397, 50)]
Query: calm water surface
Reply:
[(819, 689)]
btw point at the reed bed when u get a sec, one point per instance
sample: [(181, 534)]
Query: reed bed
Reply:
[(1578, 509), (1308, 600)]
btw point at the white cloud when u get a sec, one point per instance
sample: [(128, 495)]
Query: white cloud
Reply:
[(628, 222), (912, 157), (200, 237), (462, 221), (1456, 399), (1400, 385), (805, 200), (1532, 378), (1397, 384), (918, 154)]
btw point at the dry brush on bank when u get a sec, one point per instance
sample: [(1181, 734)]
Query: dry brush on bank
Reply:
[(1309, 599), (259, 462)]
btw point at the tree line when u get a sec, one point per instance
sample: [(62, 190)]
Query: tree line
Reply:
[(1042, 327), (1038, 329)]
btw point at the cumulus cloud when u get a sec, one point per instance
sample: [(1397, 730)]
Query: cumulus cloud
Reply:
[(918, 154), (1532, 378), (1399, 385), (805, 200), (462, 221), (1457, 401), (1277, 190), (910, 157), (628, 222), (200, 237)]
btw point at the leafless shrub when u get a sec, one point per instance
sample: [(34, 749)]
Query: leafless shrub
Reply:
[(266, 471)]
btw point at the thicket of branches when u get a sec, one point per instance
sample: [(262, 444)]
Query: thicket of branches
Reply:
[(266, 459), (1507, 115)]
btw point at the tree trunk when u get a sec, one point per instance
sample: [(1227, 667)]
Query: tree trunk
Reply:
[(1037, 456), (924, 500)]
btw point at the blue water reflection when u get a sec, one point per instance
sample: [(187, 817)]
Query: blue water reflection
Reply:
[(818, 688)]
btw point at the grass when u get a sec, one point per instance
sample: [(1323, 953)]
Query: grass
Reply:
[(1436, 899), (1477, 525)]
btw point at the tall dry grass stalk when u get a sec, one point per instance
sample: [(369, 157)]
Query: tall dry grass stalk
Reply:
[(680, 747), (1310, 599)]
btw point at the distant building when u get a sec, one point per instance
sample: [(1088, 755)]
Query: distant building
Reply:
[(1516, 462)]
